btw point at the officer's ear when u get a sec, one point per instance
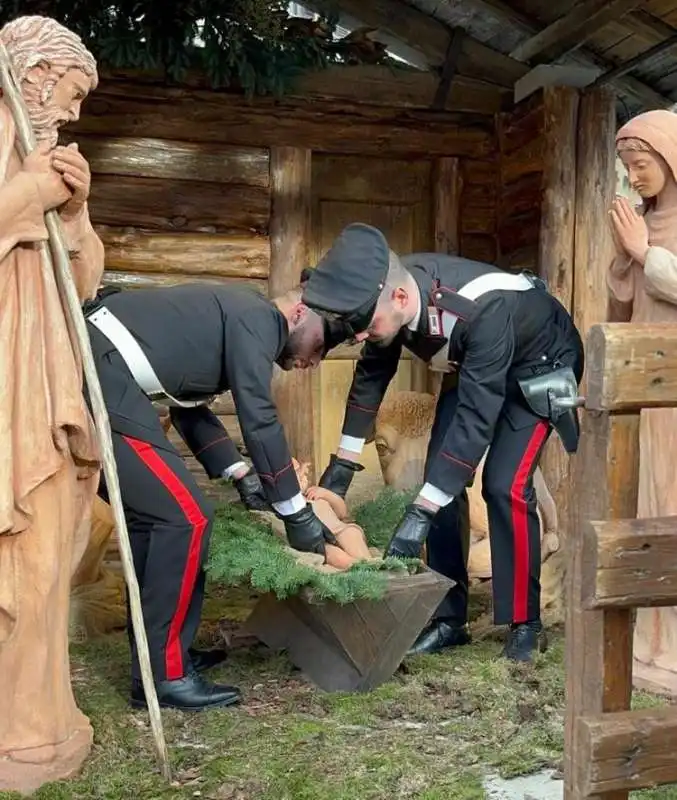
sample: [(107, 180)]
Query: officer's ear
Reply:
[(400, 298)]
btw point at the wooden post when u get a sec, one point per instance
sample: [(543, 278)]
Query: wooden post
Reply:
[(623, 362), (290, 231), (595, 189), (447, 185), (556, 254)]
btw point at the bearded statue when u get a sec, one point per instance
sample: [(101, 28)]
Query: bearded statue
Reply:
[(50, 462)]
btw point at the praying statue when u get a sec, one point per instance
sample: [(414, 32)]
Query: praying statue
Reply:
[(643, 285), (50, 463)]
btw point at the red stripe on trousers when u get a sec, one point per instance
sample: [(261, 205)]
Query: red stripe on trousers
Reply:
[(198, 522), (520, 523)]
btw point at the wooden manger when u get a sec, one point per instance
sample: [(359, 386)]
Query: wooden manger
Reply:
[(617, 563), (354, 647)]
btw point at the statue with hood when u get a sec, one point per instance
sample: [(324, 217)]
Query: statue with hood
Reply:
[(643, 285)]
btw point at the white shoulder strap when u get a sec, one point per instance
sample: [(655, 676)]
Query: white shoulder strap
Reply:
[(136, 360)]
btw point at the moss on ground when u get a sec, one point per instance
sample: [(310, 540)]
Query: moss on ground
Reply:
[(430, 733)]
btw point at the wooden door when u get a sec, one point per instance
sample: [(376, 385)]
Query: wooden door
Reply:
[(394, 196)]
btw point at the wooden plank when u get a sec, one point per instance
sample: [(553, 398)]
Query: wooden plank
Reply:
[(447, 190), (631, 366), (133, 250), (528, 160), (167, 205), (628, 750), (595, 191), (598, 664), (156, 280), (570, 31), (386, 181), (556, 257), (637, 61), (123, 109), (165, 158), (351, 352), (630, 563), (398, 88), (290, 232)]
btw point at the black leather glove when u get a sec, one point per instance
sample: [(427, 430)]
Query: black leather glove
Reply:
[(411, 533), (339, 475), (251, 492), (306, 532)]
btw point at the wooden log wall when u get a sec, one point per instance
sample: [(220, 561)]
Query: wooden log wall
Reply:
[(520, 183)]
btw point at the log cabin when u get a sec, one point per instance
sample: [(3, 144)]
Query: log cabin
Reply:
[(493, 140)]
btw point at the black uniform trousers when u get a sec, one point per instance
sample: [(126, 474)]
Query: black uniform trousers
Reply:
[(168, 519), (514, 528)]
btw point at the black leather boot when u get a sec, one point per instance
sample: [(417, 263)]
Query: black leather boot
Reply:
[(525, 639), (439, 635), (190, 693), (206, 659)]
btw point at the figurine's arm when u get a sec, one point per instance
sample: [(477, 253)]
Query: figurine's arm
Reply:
[(337, 503), (660, 274), (86, 252), (22, 218)]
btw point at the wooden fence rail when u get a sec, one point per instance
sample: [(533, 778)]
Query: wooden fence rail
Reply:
[(617, 563)]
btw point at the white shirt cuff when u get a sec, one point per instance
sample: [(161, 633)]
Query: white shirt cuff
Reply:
[(351, 443), (228, 472), (434, 495), (287, 507)]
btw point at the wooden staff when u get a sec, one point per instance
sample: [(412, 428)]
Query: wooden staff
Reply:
[(60, 263)]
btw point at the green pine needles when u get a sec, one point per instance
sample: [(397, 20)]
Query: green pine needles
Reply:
[(244, 551), (250, 45)]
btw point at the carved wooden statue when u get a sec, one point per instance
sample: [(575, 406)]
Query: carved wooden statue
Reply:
[(50, 461), (401, 438), (643, 285)]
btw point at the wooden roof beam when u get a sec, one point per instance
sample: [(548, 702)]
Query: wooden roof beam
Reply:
[(637, 61), (568, 32), (625, 85)]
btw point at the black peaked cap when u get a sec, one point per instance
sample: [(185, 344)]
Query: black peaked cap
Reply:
[(348, 279)]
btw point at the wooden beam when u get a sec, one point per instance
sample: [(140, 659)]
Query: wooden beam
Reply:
[(449, 68), (631, 367), (163, 158), (626, 85), (595, 191), (598, 643), (124, 109), (628, 750), (369, 84), (134, 250), (630, 563), (290, 236), (638, 60), (556, 253), (569, 31), (430, 37), (154, 280)]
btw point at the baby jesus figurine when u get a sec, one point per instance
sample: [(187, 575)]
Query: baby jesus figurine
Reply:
[(332, 511)]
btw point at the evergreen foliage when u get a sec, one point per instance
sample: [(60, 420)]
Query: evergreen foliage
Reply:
[(251, 44), (244, 551)]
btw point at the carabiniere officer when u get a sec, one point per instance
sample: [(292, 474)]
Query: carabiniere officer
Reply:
[(513, 361)]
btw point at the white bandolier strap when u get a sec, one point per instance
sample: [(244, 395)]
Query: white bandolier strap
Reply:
[(474, 289), (136, 360)]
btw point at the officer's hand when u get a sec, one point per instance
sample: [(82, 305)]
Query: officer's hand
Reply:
[(339, 475), (251, 492), (411, 533), (306, 532)]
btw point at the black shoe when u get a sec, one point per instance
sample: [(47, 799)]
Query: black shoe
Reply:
[(203, 660), (524, 640), (190, 693), (439, 635)]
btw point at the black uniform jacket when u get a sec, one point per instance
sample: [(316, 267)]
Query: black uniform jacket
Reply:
[(202, 340), (509, 335)]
